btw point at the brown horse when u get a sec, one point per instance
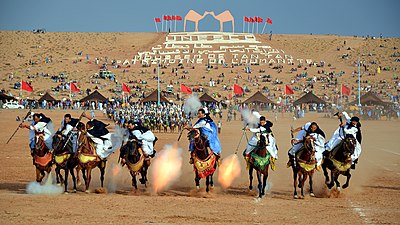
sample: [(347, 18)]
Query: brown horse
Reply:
[(133, 157), (65, 159), (338, 161), (259, 160), (204, 160), (304, 166), (42, 158), (88, 159)]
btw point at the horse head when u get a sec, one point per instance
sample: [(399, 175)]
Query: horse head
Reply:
[(40, 147), (263, 142), (193, 134), (308, 143), (349, 144)]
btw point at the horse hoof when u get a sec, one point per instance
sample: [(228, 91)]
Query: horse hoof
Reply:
[(338, 189), (301, 197), (74, 191), (66, 192), (250, 188), (312, 195), (345, 186), (197, 187), (295, 196), (87, 191)]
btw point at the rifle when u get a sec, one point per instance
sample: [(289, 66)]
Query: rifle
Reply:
[(70, 134), (29, 112)]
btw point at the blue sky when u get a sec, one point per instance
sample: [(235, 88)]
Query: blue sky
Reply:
[(342, 17)]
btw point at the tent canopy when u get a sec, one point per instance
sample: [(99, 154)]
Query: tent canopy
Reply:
[(154, 98), (4, 97), (369, 99), (258, 98), (94, 96), (207, 98), (309, 98), (47, 97)]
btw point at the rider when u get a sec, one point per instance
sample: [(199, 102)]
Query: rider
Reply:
[(309, 129), (352, 127), (98, 133), (208, 129), (264, 128), (40, 124), (68, 127), (136, 130)]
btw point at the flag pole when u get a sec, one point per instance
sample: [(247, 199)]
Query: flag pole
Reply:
[(162, 23), (158, 83), (341, 96), (359, 82), (175, 25), (248, 27), (252, 29), (155, 23), (264, 27), (20, 90)]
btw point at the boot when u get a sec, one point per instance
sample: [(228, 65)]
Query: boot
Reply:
[(272, 163), (290, 162), (191, 161)]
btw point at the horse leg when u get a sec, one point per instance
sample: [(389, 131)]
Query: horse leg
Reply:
[(330, 185), (66, 171), (71, 170), (311, 188), (59, 178), (102, 168), (325, 172), (78, 178), (348, 175), (265, 177), (303, 180), (134, 182), (197, 180), (337, 182), (207, 184), (88, 178), (295, 183), (251, 178), (211, 181), (260, 185)]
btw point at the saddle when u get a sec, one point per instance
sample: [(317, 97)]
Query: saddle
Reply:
[(44, 160), (204, 167), (62, 158), (307, 166)]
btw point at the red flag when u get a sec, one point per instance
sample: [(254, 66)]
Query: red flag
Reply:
[(237, 89), (73, 87), (246, 19), (165, 18), (178, 18), (169, 18), (288, 90), (345, 90), (125, 88), (27, 87), (269, 21), (157, 20), (259, 20), (186, 90), (173, 18)]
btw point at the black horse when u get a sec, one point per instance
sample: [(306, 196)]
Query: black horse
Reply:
[(133, 157), (65, 159), (338, 161), (260, 160), (204, 160)]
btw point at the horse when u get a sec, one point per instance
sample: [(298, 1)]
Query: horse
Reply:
[(304, 166), (64, 159), (133, 157), (172, 126), (204, 160), (259, 160), (338, 161), (88, 159), (42, 157)]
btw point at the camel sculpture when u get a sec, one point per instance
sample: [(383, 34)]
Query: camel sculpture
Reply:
[(223, 17)]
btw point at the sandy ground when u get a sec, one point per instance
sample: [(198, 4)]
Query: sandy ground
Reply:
[(372, 197)]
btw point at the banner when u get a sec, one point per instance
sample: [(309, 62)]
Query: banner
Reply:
[(269, 21), (157, 20), (125, 88), (27, 87), (73, 87), (345, 90), (186, 90), (288, 90), (237, 89)]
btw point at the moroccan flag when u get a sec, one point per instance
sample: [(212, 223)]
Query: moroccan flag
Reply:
[(169, 18), (251, 20), (237, 89), (246, 19), (259, 20), (73, 87), (269, 21), (125, 88), (288, 90), (157, 20), (165, 17), (27, 87), (186, 90), (173, 18), (345, 90), (178, 18)]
